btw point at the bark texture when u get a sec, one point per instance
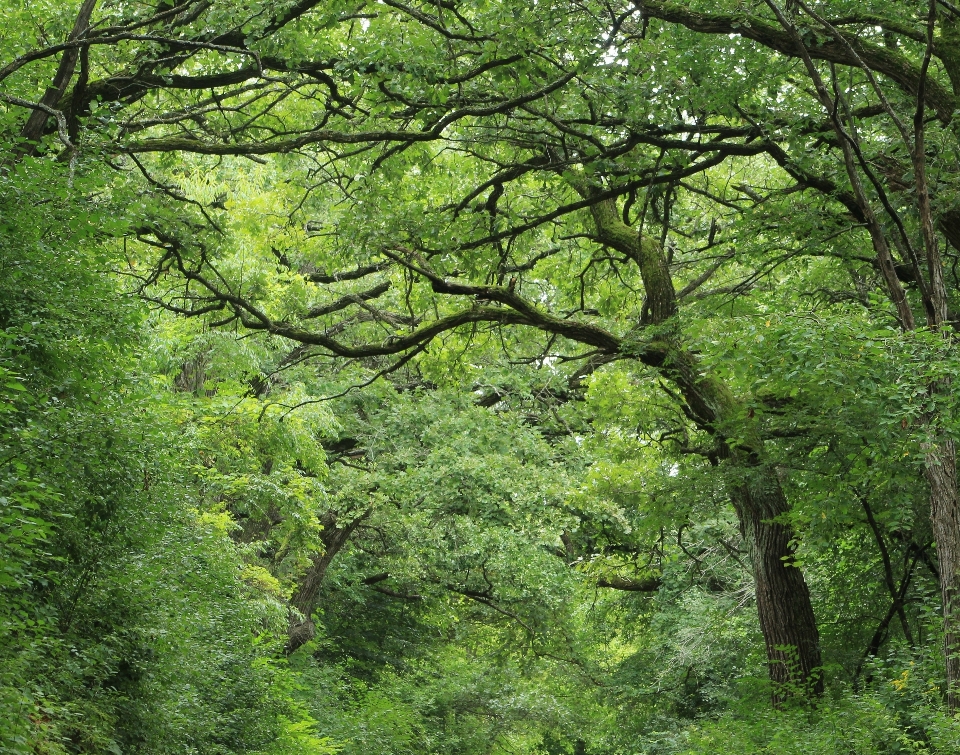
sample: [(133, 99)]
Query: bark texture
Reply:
[(941, 474), (783, 599), (33, 129)]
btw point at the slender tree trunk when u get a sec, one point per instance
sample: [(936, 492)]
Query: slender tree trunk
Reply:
[(940, 466), (940, 454), (941, 474)]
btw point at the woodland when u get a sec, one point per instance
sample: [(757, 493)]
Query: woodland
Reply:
[(465, 377)]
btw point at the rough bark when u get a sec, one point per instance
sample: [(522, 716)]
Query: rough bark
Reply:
[(33, 129), (941, 474), (940, 466), (661, 301), (783, 599)]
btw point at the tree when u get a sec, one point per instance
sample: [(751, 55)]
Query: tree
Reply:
[(920, 260), (547, 167)]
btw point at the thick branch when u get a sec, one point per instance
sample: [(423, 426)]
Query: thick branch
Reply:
[(345, 301), (650, 584), (34, 127), (880, 59)]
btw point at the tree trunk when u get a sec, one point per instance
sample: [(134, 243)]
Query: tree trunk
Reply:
[(783, 600), (941, 474), (940, 454), (784, 607), (33, 129), (304, 600)]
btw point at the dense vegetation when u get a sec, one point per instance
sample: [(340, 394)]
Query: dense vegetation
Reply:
[(556, 378)]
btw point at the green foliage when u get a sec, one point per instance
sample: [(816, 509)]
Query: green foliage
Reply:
[(126, 625), (223, 380)]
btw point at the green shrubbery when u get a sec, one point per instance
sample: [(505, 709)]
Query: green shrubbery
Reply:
[(125, 625)]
